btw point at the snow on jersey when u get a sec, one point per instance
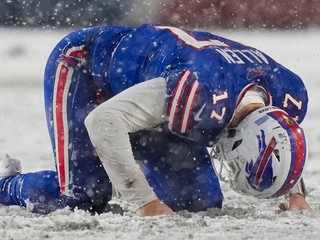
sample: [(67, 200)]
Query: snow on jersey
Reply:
[(206, 74)]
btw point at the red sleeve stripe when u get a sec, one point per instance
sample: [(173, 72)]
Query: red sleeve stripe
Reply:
[(188, 107), (178, 92)]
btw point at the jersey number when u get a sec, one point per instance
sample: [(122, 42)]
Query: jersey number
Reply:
[(217, 98), (190, 40), (288, 98)]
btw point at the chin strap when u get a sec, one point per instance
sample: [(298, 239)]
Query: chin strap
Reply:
[(299, 188)]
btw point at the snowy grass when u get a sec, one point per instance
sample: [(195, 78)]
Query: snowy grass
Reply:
[(23, 135)]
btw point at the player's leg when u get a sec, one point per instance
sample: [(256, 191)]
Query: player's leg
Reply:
[(82, 181), (38, 191), (180, 172), (69, 97)]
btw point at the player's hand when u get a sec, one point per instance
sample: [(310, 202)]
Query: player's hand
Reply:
[(295, 202), (155, 208)]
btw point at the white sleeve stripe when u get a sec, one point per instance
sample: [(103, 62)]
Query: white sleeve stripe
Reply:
[(177, 96), (187, 110), (76, 51)]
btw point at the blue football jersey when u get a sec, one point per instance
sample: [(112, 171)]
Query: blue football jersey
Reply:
[(206, 75)]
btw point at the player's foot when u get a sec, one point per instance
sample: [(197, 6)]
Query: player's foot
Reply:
[(9, 166)]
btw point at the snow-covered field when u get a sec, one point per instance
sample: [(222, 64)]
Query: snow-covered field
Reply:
[(23, 135)]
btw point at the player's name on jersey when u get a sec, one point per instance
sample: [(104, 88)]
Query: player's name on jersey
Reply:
[(242, 56)]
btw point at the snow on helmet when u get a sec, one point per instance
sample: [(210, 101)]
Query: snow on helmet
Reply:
[(263, 156)]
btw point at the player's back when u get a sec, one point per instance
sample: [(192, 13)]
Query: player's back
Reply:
[(142, 54), (222, 67)]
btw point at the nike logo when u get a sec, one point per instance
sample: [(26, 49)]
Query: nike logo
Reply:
[(197, 115)]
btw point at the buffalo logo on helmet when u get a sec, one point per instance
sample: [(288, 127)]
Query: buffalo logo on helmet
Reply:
[(260, 173)]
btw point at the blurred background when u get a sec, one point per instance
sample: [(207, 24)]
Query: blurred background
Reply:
[(288, 14), (29, 29)]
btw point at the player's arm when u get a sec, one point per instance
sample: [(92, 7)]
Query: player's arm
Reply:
[(296, 198), (139, 107)]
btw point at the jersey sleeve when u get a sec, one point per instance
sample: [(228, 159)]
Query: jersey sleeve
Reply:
[(292, 94), (192, 110), (184, 100), (286, 90)]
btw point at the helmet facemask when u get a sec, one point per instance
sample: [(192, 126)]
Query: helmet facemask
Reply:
[(226, 170)]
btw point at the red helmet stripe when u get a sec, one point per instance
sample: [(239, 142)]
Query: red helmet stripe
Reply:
[(298, 150), (265, 159)]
